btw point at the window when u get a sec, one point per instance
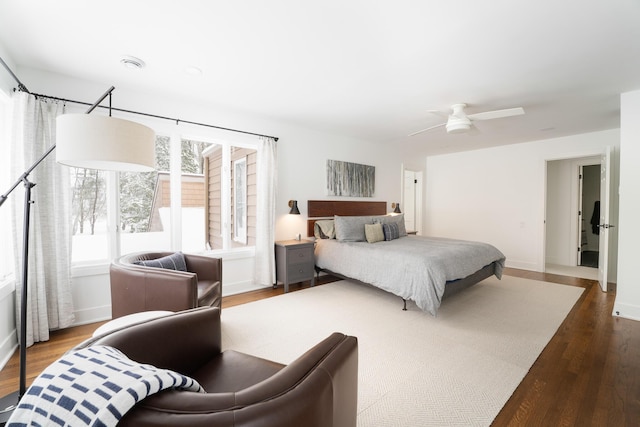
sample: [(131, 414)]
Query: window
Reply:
[(201, 195), (231, 196)]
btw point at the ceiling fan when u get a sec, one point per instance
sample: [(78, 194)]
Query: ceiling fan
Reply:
[(459, 122)]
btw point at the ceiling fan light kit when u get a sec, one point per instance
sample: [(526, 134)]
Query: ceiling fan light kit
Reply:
[(458, 125)]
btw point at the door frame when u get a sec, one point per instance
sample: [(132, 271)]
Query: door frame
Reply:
[(582, 158), (418, 195)]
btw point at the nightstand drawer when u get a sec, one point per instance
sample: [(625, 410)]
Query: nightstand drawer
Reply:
[(300, 256), (299, 272)]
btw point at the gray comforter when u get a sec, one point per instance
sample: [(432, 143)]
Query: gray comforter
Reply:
[(412, 267)]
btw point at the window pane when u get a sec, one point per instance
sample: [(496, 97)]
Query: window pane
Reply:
[(246, 214), (193, 195), (89, 210), (145, 205), (239, 200)]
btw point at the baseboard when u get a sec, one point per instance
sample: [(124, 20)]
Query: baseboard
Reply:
[(7, 348), (626, 311), (101, 313), (92, 315), (522, 265), (240, 287)]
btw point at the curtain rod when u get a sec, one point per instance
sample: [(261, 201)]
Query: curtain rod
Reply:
[(23, 88), (20, 85), (154, 116)]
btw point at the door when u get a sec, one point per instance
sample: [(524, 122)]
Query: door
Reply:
[(605, 178), (581, 224), (409, 207)]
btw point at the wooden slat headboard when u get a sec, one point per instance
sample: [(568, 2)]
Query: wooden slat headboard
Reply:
[(328, 208)]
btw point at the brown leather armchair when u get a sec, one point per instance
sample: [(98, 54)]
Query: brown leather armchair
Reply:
[(136, 288), (319, 389)]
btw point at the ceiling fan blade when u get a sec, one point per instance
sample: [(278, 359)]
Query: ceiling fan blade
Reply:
[(438, 113), (496, 114), (424, 130)]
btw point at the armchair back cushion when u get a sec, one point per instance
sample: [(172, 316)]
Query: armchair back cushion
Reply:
[(136, 288)]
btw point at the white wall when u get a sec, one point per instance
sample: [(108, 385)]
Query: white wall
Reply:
[(558, 216), (628, 288), (497, 195)]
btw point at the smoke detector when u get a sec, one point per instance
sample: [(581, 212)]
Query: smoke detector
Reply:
[(132, 62)]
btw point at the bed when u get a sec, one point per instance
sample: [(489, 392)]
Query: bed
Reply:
[(425, 270)]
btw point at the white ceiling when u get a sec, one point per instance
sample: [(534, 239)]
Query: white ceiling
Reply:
[(362, 68)]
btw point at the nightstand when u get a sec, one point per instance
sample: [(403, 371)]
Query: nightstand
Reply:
[(294, 262)]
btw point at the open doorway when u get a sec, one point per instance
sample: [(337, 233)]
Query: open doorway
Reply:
[(568, 215), (589, 216)]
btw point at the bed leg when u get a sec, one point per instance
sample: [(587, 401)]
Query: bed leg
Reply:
[(404, 301)]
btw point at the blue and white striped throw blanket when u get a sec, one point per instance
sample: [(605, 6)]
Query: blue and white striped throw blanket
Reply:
[(94, 386)]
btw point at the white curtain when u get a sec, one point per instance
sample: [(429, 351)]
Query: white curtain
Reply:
[(265, 263), (50, 304)]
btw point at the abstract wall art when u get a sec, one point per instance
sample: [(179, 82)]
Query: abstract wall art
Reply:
[(350, 179)]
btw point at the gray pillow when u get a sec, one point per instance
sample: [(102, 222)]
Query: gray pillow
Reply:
[(351, 228), (390, 231), (393, 219), (174, 261)]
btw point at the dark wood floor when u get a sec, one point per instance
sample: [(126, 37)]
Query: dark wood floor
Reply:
[(588, 375)]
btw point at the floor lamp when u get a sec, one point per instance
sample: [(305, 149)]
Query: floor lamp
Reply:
[(84, 141)]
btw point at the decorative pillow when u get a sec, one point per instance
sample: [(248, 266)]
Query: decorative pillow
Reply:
[(174, 261), (373, 233), (390, 231), (397, 219), (351, 228), (324, 229)]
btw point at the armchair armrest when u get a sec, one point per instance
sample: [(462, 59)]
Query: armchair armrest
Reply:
[(207, 268), (328, 372)]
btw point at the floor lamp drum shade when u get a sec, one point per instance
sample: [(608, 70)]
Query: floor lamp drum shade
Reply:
[(104, 142)]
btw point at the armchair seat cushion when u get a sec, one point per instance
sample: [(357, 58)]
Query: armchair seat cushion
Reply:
[(233, 371)]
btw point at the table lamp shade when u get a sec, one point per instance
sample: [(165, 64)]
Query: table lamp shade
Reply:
[(106, 143)]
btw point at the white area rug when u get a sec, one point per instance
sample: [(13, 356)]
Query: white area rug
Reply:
[(458, 368)]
